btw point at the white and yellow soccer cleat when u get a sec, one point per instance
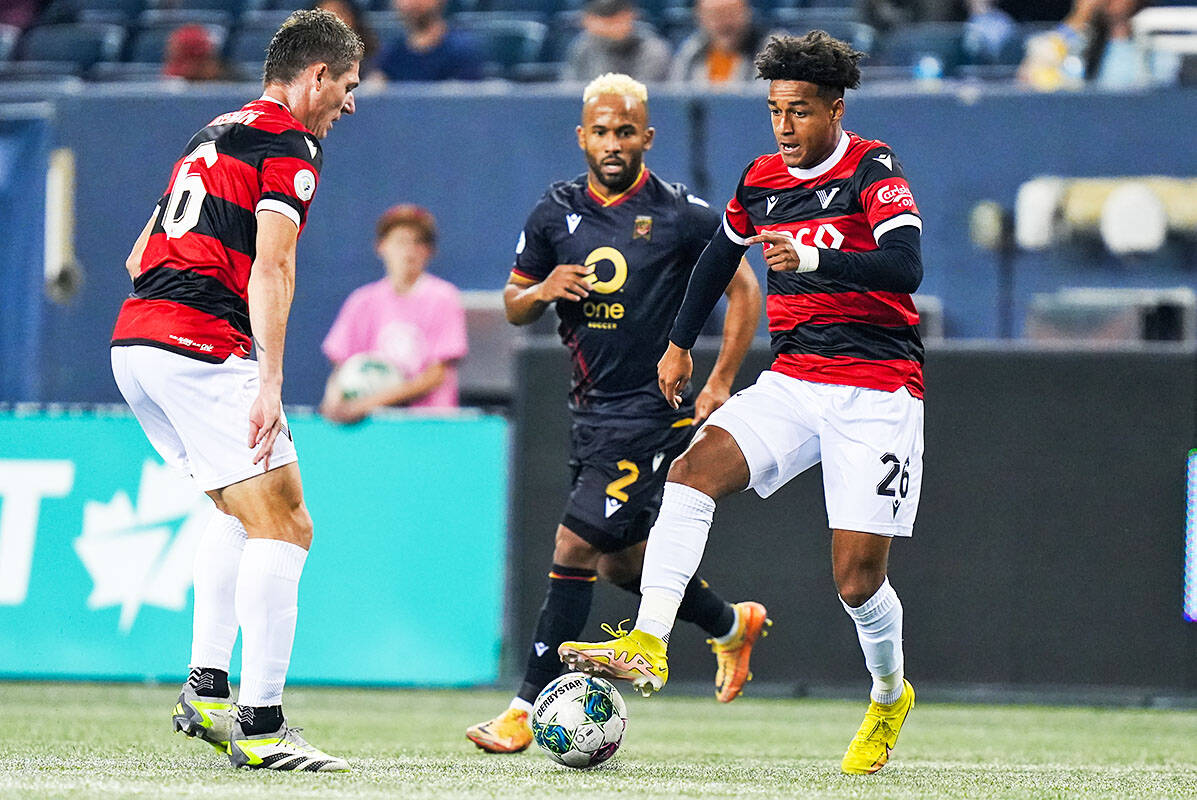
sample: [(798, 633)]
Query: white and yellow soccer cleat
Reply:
[(510, 732), (283, 749), (633, 656), (878, 734), (732, 658), (206, 718)]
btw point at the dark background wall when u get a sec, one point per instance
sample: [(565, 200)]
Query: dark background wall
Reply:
[(479, 161), (1048, 550)]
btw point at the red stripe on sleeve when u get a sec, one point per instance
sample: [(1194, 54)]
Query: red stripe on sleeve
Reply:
[(787, 311)]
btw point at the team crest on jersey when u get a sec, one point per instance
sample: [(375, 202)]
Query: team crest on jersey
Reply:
[(643, 229), (305, 184), (825, 197)]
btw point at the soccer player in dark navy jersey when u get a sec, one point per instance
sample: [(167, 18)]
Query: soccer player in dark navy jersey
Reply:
[(841, 235), (614, 249)]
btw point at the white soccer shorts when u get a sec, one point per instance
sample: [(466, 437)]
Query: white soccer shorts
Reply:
[(196, 414), (870, 443)]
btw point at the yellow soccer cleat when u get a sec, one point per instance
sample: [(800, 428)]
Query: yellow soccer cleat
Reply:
[(507, 733), (878, 734), (732, 658), (633, 656)]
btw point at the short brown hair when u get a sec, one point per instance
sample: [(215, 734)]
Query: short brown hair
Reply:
[(408, 215), (309, 37)]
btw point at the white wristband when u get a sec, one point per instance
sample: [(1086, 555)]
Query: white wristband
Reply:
[(808, 257)]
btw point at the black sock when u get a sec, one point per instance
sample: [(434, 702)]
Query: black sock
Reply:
[(259, 719), (700, 605), (208, 682), (562, 617)]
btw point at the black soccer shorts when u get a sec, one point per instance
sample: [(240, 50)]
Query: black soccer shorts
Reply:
[(619, 471)]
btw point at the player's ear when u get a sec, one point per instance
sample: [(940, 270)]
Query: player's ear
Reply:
[(837, 109), (581, 138), (650, 133)]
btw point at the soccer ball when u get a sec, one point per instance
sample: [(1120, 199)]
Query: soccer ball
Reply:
[(579, 720), (364, 374)]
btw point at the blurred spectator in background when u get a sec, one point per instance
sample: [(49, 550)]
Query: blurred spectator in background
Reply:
[(886, 14), (990, 33), (350, 13), (612, 41), (192, 54), (412, 321), (723, 47), (429, 50), (1093, 41), (20, 13)]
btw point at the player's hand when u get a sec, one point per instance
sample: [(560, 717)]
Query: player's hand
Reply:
[(713, 395), (783, 254), (265, 423), (566, 282), (345, 412), (673, 373)]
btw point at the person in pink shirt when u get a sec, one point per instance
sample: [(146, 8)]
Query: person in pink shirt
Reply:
[(412, 320)]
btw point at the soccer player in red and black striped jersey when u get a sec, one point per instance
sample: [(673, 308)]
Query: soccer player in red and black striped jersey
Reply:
[(214, 271), (841, 235)]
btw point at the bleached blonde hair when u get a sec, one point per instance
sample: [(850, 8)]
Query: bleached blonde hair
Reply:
[(615, 83)]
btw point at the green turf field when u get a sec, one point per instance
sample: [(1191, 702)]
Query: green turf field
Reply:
[(85, 741)]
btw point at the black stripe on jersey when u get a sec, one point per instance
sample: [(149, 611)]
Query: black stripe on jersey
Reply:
[(233, 226), (287, 200), (799, 204), (201, 292), (807, 283), (852, 339), (170, 348), (254, 145)]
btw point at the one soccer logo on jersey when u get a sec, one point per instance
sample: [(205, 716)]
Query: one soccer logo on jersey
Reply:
[(887, 160), (769, 203), (571, 221), (825, 197), (612, 506)]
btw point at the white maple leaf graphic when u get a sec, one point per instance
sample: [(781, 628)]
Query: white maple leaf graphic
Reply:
[(142, 555)]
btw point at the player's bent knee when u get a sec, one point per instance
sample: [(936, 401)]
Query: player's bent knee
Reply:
[(857, 589), (617, 571), (571, 550)]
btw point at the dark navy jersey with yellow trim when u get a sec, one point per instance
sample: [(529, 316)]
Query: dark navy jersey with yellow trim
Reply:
[(642, 245)]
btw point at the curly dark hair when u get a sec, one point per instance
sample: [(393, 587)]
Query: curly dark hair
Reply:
[(817, 58)]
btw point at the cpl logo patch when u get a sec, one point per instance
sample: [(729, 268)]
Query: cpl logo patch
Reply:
[(305, 184), (617, 280)]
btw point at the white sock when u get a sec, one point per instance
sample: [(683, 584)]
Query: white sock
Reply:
[(267, 605), (674, 550), (214, 626), (520, 704), (879, 628)]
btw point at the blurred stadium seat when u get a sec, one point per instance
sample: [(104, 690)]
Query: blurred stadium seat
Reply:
[(231, 7), (908, 46), (505, 42), (247, 42), (8, 40), (77, 45), (799, 20), (149, 43)]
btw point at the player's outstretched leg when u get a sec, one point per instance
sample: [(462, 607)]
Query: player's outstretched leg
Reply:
[(633, 656), (205, 708), (562, 616)]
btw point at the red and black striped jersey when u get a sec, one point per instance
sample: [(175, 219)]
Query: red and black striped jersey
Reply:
[(825, 329), (192, 294)]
